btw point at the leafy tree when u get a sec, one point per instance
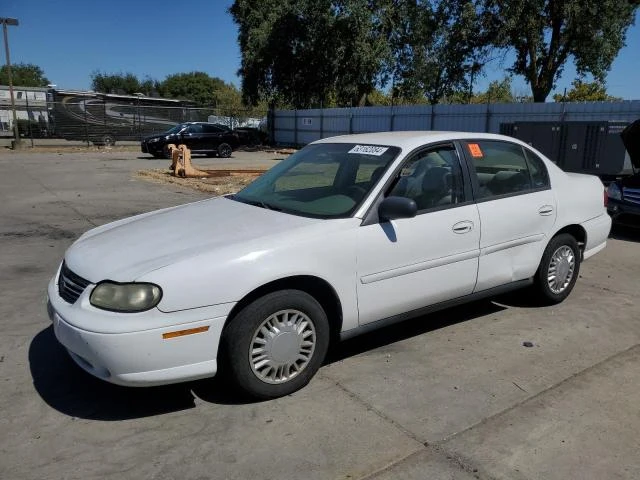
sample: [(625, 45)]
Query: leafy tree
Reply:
[(198, 87), (436, 46), (545, 34), (582, 91), (309, 52), (498, 91), (118, 83), (24, 75)]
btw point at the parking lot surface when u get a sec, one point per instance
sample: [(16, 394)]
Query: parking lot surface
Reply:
[(452, 395)]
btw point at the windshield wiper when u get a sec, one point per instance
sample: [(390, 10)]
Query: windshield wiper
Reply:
[(258, 203)]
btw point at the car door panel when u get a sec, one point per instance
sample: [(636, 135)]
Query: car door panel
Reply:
[(411, 263), (513, 235), (517, 211)]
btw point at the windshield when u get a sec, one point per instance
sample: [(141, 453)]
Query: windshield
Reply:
[(326, 180), (176, 129)]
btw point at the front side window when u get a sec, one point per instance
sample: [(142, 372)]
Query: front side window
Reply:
[(326, 180), (501, 168), (195, 128), (432, 178)]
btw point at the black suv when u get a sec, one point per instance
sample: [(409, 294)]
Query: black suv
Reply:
[(624, 193), (200, 137)]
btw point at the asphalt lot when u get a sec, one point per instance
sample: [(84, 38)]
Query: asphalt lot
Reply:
[(454, 395)]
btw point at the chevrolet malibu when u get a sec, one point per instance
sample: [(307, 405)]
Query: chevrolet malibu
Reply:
[(349, 234)]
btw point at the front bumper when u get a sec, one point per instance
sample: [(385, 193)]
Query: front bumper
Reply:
[(140, 357), (143, 147), (624, 213)]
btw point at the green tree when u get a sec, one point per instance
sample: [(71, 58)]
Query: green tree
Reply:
[(24, 75), (198, 87), (118, 83), (436, 46), (545, 34), (582, 91), (309, 52)]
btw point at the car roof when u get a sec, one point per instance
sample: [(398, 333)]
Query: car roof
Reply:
[(408, 140)]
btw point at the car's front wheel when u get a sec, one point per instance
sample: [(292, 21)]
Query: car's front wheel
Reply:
[(276, 344), (558, 269)]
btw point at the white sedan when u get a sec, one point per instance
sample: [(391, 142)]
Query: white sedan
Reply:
[(349, 234)]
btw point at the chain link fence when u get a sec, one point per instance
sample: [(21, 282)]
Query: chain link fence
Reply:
[(107, 120)]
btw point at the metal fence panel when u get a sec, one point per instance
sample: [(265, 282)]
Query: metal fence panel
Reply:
[(303, 126)]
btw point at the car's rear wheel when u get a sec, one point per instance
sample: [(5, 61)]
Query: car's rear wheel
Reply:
[(559, 269), (224, 150), (276, 344), (108, 140)]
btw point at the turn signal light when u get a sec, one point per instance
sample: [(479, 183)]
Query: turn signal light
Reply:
[(182, 333)]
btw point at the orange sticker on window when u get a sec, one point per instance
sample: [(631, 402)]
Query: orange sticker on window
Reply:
[(475, 151)]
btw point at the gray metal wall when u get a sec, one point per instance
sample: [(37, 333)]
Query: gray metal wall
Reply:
[(299, 127)]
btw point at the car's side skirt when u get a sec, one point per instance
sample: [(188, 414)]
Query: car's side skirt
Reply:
[(490, 292)]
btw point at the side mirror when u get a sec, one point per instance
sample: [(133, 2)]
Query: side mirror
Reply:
[(393, 208)]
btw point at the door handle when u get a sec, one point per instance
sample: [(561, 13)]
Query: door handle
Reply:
[(462, 227), (545, 210)]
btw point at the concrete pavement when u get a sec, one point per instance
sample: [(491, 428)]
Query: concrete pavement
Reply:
[(453, 395)]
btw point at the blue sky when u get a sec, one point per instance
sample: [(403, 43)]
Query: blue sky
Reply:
[(70, 39)]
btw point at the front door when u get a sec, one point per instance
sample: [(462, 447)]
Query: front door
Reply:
[(411, 263)]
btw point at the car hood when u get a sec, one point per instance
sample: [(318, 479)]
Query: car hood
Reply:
[(631, 139), (125, 250)]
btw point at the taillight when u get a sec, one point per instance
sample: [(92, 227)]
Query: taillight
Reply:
[(606, 198)]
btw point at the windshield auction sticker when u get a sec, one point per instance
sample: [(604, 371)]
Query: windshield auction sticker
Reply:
[(369, 150)]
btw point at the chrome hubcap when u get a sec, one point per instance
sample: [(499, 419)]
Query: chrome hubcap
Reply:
[(282, 346), (561, 268)]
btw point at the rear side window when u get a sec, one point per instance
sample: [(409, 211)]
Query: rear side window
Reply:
[(501, 168), (538, 170), (211, 129)]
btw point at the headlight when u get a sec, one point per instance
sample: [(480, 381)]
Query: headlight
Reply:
[(613, 191), (125, 297), (151, 140)]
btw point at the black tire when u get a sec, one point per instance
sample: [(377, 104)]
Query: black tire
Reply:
[(545, 292), (108, 140), (238, 343), (224, 150), (166, 153)]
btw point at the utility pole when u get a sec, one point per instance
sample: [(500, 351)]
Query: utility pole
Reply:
[(13, 22)]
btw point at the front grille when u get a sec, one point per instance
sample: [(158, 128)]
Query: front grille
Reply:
[(70, 285), (631, 195)]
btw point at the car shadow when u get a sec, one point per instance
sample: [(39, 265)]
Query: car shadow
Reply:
[(410, 328), (628, 234), (70, 390), (67, 388)]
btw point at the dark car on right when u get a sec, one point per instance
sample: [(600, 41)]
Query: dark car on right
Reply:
[(624, 193), (211, 139)]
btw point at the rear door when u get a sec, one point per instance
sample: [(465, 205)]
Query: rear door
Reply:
[(211, 137), (517, 210)]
